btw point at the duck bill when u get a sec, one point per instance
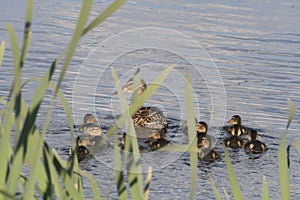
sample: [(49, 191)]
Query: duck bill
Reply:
[(230, 121)]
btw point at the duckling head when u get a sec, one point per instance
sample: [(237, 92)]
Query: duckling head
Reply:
[(253, 135), (129, 86), (235, 119), (89, 118), (201, 127)]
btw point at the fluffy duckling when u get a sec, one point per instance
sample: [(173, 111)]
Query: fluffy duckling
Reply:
[(158, 143), (253, 145), (89, 120), (150, 117), (82, 152), (234, 142), (236, 122), (154, 142), (206, 152), (237, 130)]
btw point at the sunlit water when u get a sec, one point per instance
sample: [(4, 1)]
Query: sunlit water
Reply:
[(254, 45)]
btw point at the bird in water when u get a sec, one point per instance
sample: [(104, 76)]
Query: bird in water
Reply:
[(253, 145), (147, 116), (204, 143)]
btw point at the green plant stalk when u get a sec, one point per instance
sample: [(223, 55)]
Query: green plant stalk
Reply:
[(282, 157), (133, 166), (236, 191), (217, 195), (191, 133), (265, 189), (2, 50), (83, 17), (119, 176), (147, 186)]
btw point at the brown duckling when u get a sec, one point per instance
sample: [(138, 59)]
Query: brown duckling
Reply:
[(82, 152), (206, 152), (89, 120), (154, 142), (237, 130), (234, 142), (253, 145)]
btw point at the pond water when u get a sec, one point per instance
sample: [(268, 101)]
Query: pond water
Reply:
[(243, 58)]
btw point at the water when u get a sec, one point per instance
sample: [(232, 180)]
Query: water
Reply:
[(255, 46)]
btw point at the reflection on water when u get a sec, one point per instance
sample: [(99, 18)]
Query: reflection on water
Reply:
[(255, 46)]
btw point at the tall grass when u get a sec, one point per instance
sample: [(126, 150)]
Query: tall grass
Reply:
[(49, 176)]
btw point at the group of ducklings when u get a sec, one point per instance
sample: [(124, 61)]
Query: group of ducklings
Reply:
[(237, 131), (151, 126)]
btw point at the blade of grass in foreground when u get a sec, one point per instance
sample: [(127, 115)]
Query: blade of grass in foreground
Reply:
[(282, 157), (191, 133), (217, 195), (265, 189), (119, 177), (106, 13), (147, 186), (2, 49), (133, 162), (236, 191)]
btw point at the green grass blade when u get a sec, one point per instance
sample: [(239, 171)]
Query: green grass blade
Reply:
[(147, 186), (283, 169), (2, 49), (83, 17), (119, 177), (217, 195), (106, 13), (292, 113), (236, 191), (27, 33), (226, 194), (133, 164), (282, 157), (265, 189), (297, 146), (191, 133)]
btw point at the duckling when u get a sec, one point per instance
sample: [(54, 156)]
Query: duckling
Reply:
[(253, 145), (154, 142), (150, 117), (206, 152), (82, 152), (236, 122), (237, 130), (158, 143), (88, 120), (234, 142), (235, 119)]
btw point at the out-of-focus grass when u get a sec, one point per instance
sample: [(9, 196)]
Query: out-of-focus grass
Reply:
[(49, 176)]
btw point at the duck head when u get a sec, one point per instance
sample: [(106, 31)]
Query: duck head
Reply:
[(235, 119), (201, 127), (89, 118)]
